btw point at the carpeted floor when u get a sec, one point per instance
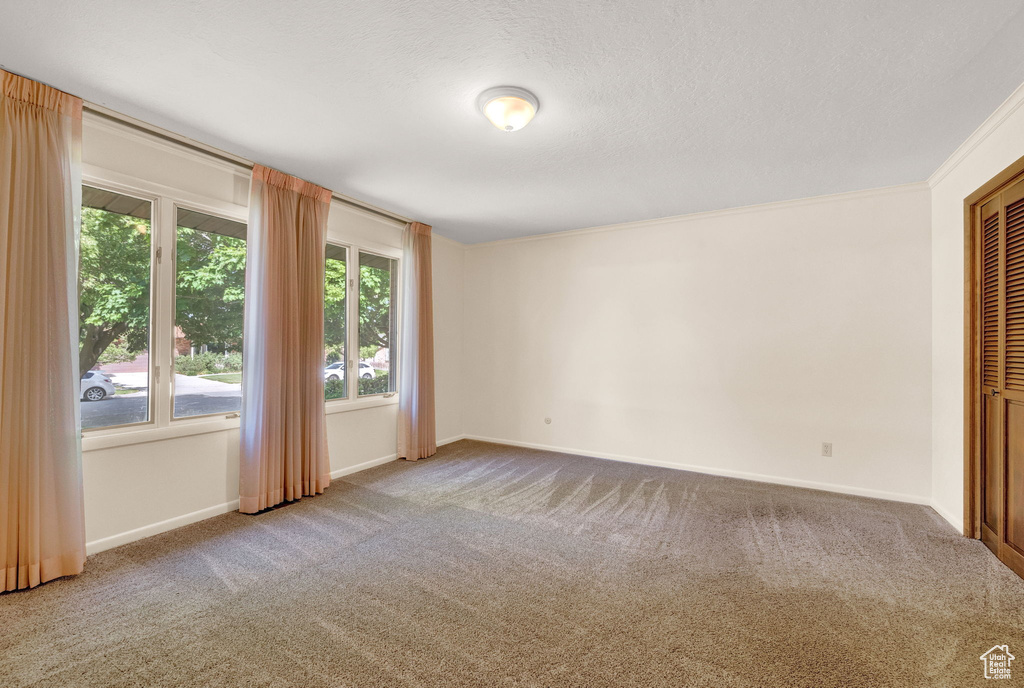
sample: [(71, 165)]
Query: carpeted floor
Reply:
[(497, 566)]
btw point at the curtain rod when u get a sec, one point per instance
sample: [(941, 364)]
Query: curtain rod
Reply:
[(211, 152), (208, 151)]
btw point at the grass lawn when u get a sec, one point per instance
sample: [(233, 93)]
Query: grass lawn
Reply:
[(127, 390), (230, 378), (379, 373)]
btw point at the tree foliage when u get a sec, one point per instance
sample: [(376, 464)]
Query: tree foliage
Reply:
[(374, 310), (210, 292), (334, 389), (375, 385), (113, 285), (210, 297), (335, 291), (208, 363), (117, 352)]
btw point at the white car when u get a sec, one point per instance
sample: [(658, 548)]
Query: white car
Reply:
[(335, 370), (96, 386)]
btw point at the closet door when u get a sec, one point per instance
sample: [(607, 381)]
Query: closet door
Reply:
[(1012, 545), (991, 236), (1002, 375)]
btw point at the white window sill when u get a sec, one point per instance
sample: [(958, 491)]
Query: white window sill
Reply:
[(117, 437), (343, 405), (108, 438)]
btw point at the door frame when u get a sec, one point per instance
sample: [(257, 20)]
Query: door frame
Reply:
[(972, 345)]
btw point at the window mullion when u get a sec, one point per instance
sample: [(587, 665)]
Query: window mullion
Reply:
[(352, 305), (396, 314), (162, 318)]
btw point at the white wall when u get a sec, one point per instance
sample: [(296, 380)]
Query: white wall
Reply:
[(153, 479), (449, 264), (734, 342), (990, 150)]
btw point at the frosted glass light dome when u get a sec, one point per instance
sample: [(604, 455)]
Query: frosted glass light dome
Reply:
[(508, 108)]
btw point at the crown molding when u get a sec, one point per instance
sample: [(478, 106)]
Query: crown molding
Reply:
[(993, 122)]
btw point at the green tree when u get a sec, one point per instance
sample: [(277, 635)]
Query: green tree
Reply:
[(334, 310), (210, 294), (113, 285), (374, 310), (117, 352), (114, 288)]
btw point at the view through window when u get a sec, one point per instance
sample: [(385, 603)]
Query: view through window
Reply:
[(209, 302), (335, 327), (377, 323), (114, 308), (119, 236)]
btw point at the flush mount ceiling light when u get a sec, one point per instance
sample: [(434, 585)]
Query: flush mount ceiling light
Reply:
[(509, 108)]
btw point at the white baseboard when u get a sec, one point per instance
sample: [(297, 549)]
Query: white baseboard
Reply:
[(349, 470), (157, 528), (725, 472), (955, 520), (209, 512)]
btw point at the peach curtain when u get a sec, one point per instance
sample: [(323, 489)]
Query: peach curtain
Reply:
[(417, 435), (283, 441), (42, 520)]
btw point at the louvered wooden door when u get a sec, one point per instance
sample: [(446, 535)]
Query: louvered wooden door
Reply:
[(1001, 254)]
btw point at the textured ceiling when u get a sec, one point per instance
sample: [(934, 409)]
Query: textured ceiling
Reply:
[(648, 109)]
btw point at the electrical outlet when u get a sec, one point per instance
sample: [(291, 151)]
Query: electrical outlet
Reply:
[(826, 449)]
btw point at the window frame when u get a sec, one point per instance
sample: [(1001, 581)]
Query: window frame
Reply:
[(396, 318), (193, 207), (354, 400), (328, 403), (154, 258), (166, 200), (163, 275)]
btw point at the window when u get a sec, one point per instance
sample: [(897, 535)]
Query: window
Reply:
[(209, 313), (162, 299), (114, 308), (335, 325), (378, 277)]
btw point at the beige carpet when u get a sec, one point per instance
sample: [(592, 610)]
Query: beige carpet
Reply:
[(495, 566)]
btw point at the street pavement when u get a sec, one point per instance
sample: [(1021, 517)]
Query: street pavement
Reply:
[(193, 396)]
